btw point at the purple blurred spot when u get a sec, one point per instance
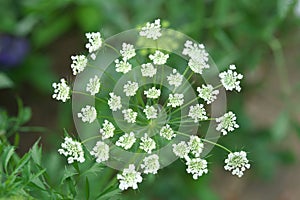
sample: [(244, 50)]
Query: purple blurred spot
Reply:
[(12, 51)]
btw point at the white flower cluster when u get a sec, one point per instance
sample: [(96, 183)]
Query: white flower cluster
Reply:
[(61, 91), (100, 152), (79, 63), (237, 163), (94, 43), (151, 30), (230, 79), (145, 109), (72, 150), (198, 56), (93, 85), (88, 114), (227, 123), (175, 100)]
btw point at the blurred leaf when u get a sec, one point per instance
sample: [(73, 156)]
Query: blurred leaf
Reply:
[(89, 18), (87, 188), (36, 153), (280, 127), (5, 82), (283, 6), (6, 156)]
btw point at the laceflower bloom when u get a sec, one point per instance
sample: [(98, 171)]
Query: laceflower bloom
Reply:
[(175, 78), (129, 115), (129, 178), (198, 56), (237, 163), (79, 63), (72, 150), (207, 93), (147, 144), (114, 102), (130, 88), (151, 164), (197, 167), (122, 66), (227, 123), (196, 145), (175, 100), (151, 30), (94, 43), (107, 130), (230, 79), (88, 114), (61, 91), (167, 132), (152, 93), (159, 58), (100, 151), (93, 85), (148, 70), (181, 149), (151, 112), (126, 141), (197, 113), (127, 51)]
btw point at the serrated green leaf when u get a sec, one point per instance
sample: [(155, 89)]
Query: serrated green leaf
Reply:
[(24, 160), (6, 156), (36, 153)]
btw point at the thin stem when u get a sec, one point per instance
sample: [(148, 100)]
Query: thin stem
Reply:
[(113, 48), (104, 72), (216, 144), (86, 94), (91, 138)]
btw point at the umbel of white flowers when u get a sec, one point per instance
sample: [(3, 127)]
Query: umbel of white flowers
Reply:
[(189, 150)]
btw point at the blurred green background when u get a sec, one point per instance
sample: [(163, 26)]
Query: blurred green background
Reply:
[(37, 38)]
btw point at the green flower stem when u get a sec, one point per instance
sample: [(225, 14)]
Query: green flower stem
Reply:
[(113, 48), (86, 94), (104, 72), (207, 141), (91, 138), (218, 86), (185, 105)]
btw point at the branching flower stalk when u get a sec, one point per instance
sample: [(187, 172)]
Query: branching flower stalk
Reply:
[(147, 105)]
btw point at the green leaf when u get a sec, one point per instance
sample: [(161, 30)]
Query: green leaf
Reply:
[(5, 82), (87, 188), (6, 156), (36, 153), (69, 172), (24, 160)]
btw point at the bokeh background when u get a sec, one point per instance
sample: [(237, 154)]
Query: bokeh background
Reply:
[(37, 38)]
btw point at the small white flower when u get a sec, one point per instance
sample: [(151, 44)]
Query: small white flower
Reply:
[(127, 51), (72, 150), (207, 93), (94, 41), (197, 113), (152, 93), (114, 102), (197, 167), (195, 51), (175, 78), (129, 178), (148, 70), (79, 63), (175, 100), (198, 56), (151, 164), (122, 66), (230, 79), (167, 132), (107, 130), (196, 145), (237, 162), (100, 151), (197, 65), (159, 58), (88, 114), (130, 88), (227, 123), (147, 144), (129, 115), (151, 112), (93, 85), (61, 91), (126, 141), (181, 149), (151, 30)]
